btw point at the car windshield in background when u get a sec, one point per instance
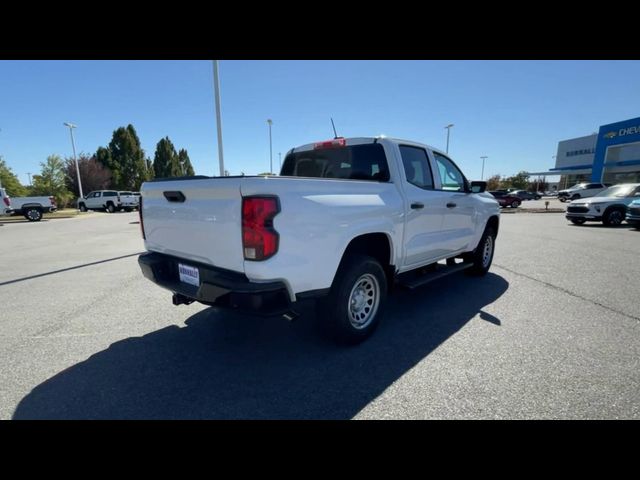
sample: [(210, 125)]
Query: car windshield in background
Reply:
[(356, 162), (618, 191)]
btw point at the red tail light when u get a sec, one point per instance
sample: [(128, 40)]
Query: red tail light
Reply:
[(336, 142), (140, 215), (53, 201), (7, 202), (259, 239)]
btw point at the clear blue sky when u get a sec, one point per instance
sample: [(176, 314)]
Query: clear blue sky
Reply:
[(515, 112)]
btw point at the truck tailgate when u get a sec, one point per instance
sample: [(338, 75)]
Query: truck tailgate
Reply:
[(204, 227)]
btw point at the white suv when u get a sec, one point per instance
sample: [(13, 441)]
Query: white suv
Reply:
[(108, 200), (609, 207), (581, 190)]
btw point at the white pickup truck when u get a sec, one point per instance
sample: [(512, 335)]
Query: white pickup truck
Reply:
[(345, 221), (32, 208), (5, 203)]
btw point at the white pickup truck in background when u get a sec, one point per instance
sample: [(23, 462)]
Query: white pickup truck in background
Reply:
[(345, 221), (32, 208), (5, 203)]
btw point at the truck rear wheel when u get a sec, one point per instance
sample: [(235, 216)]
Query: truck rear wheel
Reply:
[(352, 310), (482, 257), (33, 214), (111, 208)]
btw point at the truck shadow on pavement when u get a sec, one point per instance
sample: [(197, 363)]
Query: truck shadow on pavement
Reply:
[(227, 366)]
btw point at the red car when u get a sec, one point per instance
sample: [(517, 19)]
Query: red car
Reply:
[(506, 199)]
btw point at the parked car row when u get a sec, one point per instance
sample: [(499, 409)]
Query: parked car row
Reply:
[(32, 208), (611, 207)]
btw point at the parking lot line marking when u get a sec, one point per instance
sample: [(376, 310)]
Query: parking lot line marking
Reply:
[(568, 292), (31, 277)]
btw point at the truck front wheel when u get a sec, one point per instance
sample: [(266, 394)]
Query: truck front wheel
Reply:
[(482, 257), (33, 214), (111, 208), (352, 310)]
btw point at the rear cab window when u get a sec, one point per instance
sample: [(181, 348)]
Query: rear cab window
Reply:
[(355, 162)]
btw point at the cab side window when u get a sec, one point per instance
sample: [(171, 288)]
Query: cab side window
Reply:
[(416, 166), (451, 177)]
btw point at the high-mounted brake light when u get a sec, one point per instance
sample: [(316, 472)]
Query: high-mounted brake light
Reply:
[(7, 202), (336, 142), (140, 215), (259, 238)]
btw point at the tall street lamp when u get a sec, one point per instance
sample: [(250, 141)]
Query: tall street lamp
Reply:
[(448, 127), (280, 160), (270, 122), (216, 92), (73, 145), (483, 159)]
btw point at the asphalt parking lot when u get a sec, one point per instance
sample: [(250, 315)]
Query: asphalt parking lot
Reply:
[(553, 331)]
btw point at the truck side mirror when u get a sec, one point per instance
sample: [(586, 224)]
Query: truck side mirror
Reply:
[(478, 187)]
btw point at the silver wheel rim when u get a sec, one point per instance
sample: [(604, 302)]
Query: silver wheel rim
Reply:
[(363, 301), (615, 217), (487, 251), (33, 214)]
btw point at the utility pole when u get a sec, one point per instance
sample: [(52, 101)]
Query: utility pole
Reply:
[(73, 145), (270, 122), (216, 88), (483, 159), (280, 159), (448, 127)]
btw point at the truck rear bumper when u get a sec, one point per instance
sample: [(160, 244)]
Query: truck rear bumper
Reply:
[(218, 287)]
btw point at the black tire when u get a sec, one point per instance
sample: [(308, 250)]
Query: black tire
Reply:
[(83, 207), (575, 196), (577, 221), (128, 209), (360, 279), (537, 197), (111, 208), (562, 199), (515, 204), (613, 217), (33, 214), (481, 264)]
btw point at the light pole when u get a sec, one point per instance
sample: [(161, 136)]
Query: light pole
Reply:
[(483, 159), (216, 89), (29, 173), (448, 127), (280, 160), (270, 122), (73, 145)]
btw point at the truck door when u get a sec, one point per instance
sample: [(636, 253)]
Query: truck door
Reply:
[(424, 240), (457, 207), (94, 200)]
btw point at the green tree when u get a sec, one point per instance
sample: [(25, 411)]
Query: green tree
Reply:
[(493, 182), (52, 181), (519, 181), (165, 160), (127, 158), (183, 159), (10, 181), (103, 155)]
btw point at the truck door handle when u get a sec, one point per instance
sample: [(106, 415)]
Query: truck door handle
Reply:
[(174, 196), (451, 205), (417, 205)]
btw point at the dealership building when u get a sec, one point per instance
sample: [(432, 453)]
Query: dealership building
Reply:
[(610, 156)]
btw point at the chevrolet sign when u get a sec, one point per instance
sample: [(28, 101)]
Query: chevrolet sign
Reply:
[(610, 134)]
